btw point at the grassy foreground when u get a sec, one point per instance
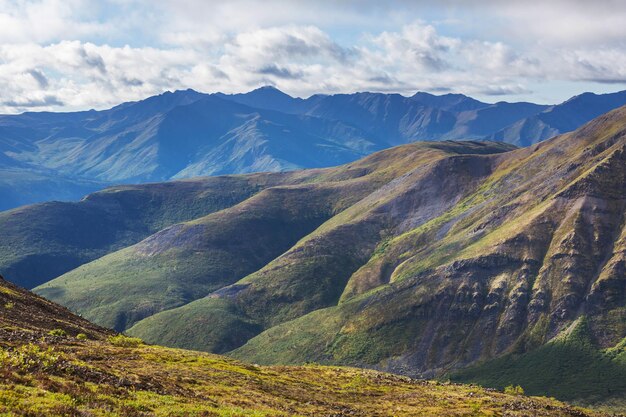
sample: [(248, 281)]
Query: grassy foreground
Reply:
[(63, 376), (54, 363)]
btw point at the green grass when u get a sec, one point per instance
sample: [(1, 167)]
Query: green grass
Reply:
[(225, 326), (570, 368), (57, 332), (43, 241), (157, 381), (188, 261), (121, 340), (109, 375)]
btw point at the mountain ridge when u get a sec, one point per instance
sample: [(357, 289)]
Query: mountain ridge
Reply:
[(45, 240), (185, 133), (211, 258)]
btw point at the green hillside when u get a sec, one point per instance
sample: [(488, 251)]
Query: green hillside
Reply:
[(506, 268), (43, 241), (422, 260), (188, 261), (570, 367), (514, 263), (53, 363)]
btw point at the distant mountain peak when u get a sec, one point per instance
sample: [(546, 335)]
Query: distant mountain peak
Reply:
[(164, 101), (185, 91), (266, 97), (448, 101), (422, 93), (427, 94), (268, 89), (578, 97)]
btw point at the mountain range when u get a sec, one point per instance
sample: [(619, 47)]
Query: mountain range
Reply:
[(63, 156), (470, 260)]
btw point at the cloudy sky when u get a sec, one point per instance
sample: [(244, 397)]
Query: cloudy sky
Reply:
[(82, 54)]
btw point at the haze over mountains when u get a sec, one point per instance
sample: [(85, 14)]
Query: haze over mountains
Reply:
[(62, 156)]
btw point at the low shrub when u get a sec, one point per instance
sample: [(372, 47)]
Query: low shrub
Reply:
[(28, 358), (514, 390), (57, 332), (125, 341)]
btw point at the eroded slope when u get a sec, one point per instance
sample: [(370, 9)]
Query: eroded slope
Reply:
[(78, 370)]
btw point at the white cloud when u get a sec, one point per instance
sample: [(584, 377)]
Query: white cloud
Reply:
[(563, 22), (80, 54), (48, 20)]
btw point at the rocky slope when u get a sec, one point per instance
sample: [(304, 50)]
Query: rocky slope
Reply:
[(26, 317), (533, 249), (53, 363)]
